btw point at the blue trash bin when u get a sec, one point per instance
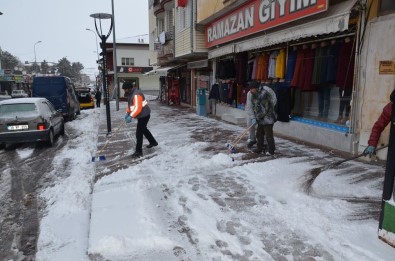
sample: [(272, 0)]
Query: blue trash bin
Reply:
[(201, 102), (201, 96)]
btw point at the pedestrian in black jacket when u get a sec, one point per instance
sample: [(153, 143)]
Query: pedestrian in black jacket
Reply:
[(98, 98)]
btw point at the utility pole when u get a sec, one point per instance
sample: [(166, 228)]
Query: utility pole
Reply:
[(114, 48)]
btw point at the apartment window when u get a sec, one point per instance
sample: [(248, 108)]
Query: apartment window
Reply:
[(387, 6), (127, 61), (169, 20)]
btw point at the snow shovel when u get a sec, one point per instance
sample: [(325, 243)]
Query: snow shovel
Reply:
[(232, 146), (313, 173), (99, 157)]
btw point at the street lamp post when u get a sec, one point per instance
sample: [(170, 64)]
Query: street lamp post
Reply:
[(97, 49), (35, 61), (0, 48), (100, 17), (114, 48)]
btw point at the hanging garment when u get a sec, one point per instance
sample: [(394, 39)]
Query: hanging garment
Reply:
[(240, 65), (308, 65), (250, 68), (283, 93), (261, 60), (345, 66), (225, 92), (317, 67), (254, 68), (272, 64), (290, 66), (214, 93), (330, 63), (296, 81), (265, 67), (280, 65)]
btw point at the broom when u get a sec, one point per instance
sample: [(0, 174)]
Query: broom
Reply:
[(99, 157), (313, 173), (232, 146)]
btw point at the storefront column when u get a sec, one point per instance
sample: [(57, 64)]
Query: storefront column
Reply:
[(193, 88)]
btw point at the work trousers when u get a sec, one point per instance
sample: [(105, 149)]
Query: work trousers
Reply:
[(141, 131), (261, 132)]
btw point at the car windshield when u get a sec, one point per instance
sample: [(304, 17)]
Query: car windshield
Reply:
[(16, 108)]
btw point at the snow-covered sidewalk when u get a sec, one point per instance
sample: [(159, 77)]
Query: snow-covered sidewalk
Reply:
[(187, 200)]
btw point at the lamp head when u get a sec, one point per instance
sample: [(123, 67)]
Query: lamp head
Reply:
[(101, 16)]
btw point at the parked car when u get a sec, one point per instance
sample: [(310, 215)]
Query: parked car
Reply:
[(29, 120), (19, 94), (85, 98), (60, 91)]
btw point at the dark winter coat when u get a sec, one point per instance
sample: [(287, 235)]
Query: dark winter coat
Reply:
[(264, 107), (380, 125), (98, 95)]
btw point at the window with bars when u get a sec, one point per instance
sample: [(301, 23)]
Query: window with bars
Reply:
[(169, 24), (127, 61)]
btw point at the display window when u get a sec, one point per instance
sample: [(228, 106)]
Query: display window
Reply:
[(313, 81)]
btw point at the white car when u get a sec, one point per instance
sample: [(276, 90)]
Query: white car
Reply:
[(18, 94)]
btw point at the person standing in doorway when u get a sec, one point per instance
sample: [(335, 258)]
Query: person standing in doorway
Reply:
[(98, 98), (138, 109), (265, 117)]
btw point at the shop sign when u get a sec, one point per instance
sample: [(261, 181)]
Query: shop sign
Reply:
[(14, 78), (260, 15), (18, 78), (132, 69), (387, 67)]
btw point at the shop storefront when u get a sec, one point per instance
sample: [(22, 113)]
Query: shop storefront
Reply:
[(200, 75), (307, 55), (10, 81), (135, 74), (174, 84)]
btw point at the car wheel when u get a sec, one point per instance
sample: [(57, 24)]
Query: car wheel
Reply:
[(2, 146), (72, 117), (50, 140)]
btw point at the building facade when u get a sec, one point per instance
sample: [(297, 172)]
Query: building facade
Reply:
[(132, 63), (330, 62), (179, 45)]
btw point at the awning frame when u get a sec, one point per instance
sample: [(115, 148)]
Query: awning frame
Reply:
[(162, 71)]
